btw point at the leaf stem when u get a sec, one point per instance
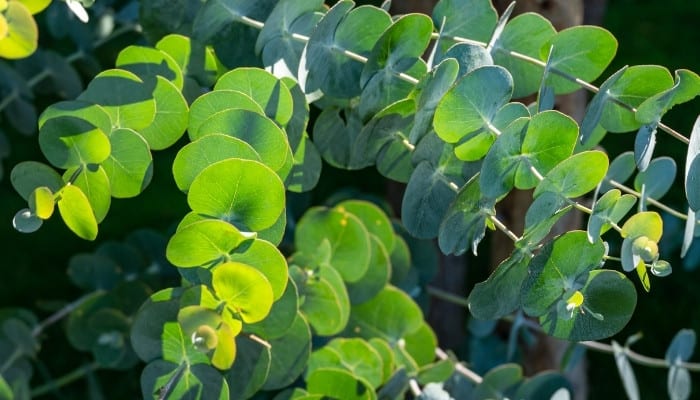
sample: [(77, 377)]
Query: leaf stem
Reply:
[(447, 296), (65, 379), (415, 388), (459, 367), (501, 227), (638, 358), (651, 201), (58, 315)]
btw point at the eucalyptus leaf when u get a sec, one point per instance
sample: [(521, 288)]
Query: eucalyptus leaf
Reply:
[(290, 354), (582, 51), (77, 213), (426, 201), (569, 180), (130, 164), (499, 295), (397, 51), (324, 66), (472, 19), (95, 183), (472, 103), (539, 31), (346, 235), (692, 166), (464, 225), (624, 367), (239, 199), (124, 96), (26, 176)]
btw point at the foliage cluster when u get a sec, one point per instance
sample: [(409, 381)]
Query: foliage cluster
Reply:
[(253, 95)]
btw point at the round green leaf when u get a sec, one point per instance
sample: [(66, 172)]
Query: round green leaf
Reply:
[(636, 84), (464, 225), (391, 315), (216, 101), (343, 234), (130, 164), (569, 179), (42, 202), (325, 67), (606, 293), (149, 321), (472, 103), (198, 63), (22, 35), (264, 88), (336, 383), (609, 209), (474, 22), (398, 50), (204, 243), (290, 354), (264, 256), (239, 198), (326, 305), (621, 168), (538, 30), (29, 175), (77, 213), (426, 201), (646, 223), (561, 266), (168, 380), (147, 63), (245, 290), (581, 51), (281, 317), (170, 118), (376, 277), (94, 182), (374, 219), (499, 295), (657, 179), (201, 153), (94, 272), (124, 96), (69, 141), (421, 344), (92, 113), (250, 370), (260, 132)]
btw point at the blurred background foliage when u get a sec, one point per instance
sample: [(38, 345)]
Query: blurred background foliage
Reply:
[(34, 266)]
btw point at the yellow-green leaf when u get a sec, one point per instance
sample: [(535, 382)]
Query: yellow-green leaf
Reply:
[(646, 223), (643, 275), (41, 202), (35, 6), (22, 35), (76, 212)]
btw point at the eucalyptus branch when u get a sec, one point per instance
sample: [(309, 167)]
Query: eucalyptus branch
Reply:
[(78, 54), (65, 379), (501, 227), (459, 367), (58, 315), (651, 201), (435, 35), (593, 345), (638, 358), (415, 388)]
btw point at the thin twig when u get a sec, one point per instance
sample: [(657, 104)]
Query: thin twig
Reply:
[(649, 200), (65, 379), (459, 367), (501, 227)]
